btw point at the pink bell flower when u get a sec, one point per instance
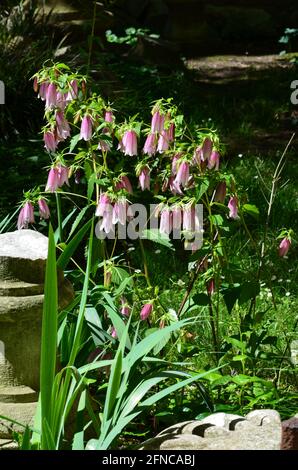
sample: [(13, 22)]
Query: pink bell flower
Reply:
[(43, 88), (150, 145), (146, 311), (206, 149), (144, 178), (63, 128), (104, 205), (104, 145), (176, 217), (174, 187), (73, 91), (50, 141), (182, 176), (284, 247), (124, 183), (157, 122), (114, 332), (51, 96), (165, 221), (233, 207), (213, 161), (109, 116), (119, 211), (171, 132), (26, 216), (163, 142), (44, 211), (61, 100), (125, 308), (53, 180), (86, 128), (107, 220), (62, 175), (130, 143), (189, 218)]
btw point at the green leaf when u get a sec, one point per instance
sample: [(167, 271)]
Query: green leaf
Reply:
[(72, 246), (202, 188), (77, 220), (251, 210), (119, 275), (74, 141), (157, 237), (49, 336), (216, 219)]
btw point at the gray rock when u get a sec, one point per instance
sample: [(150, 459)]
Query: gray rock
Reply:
[(260, 430), (23, 257)]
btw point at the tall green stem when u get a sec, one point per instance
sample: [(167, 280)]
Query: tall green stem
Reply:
[(91, 38), (59, 215)]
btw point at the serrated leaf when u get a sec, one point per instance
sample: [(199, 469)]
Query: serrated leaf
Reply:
[(156, 236)]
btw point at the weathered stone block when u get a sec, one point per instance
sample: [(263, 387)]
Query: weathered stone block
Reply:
[(23, 257)]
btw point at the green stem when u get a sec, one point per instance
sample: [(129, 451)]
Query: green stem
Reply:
[(91, 39), (59, 215), (146, 272)]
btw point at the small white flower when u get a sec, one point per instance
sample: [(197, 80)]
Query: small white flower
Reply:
[(288, 294), (273, 278)]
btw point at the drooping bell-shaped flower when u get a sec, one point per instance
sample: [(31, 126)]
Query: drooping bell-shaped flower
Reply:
[(176, 217), (109, 116), (233, 207), (130, 143), (157, 122), (165, 221), (146, 311), (144, 178), (163, 142), (86, 128), (35, 84), (51, 96), (53, 180), (50, 141), (44, 211), (284, 247), (103, 205), (124, 183), (206, 149), (63, 128), (125, 308), (189, 218), (175, 161), (114, 332), (182, 176), (119, 211), (171, 132), (62, 175), (220, 192), (61, 100), (104, 145), (213, 161), (150, 145), (26, 216), (43, 88), (73, 91), (107, 220), (174, 187)]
